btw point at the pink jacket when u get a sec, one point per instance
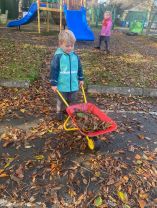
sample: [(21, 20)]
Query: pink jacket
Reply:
[(106, 28)]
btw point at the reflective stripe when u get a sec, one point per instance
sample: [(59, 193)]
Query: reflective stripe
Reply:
[(53, 80), (72, 72)]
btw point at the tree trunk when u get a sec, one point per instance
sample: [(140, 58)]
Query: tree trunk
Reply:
[(151, 17)]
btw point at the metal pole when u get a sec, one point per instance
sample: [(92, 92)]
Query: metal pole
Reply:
[(47, 18), (61, 6), (38, 5)]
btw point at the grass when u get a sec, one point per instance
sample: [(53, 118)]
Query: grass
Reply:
[(119, 70), (20, 61), (131, 64)]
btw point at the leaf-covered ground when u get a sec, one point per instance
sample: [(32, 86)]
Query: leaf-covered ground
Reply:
[(42, 165), (48, 165), (132, 62)]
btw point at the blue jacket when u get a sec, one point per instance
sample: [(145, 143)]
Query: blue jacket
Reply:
[(66, 71)]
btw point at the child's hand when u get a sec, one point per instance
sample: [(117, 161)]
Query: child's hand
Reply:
[(54, 88), (81, 83)]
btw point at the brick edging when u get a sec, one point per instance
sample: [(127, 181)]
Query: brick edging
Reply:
[(145, 92), (133, 91), (15, 83)]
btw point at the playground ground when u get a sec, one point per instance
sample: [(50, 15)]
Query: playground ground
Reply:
[(44, 166)]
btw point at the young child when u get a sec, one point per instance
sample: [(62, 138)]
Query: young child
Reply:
[(105, 31), (66, 71)]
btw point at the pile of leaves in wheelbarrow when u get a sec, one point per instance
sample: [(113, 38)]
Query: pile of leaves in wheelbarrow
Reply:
[(87, 122)]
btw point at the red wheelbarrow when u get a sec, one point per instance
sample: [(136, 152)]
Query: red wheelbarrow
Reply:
[(90, 108)]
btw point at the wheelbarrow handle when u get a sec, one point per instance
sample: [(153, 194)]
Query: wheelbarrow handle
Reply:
[(61, 96), (83, 93)]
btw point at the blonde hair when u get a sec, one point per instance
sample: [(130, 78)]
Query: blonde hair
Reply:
[(66, 36), (108, 13)]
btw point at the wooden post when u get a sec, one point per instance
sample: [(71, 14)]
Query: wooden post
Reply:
[(47, 19), (84, 3), (38, 8), (61, 8), (67, 4)]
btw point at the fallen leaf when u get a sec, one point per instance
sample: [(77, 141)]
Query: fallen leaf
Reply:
[(22, 110), (3, 175), (85, 181), (71, 192), (126, 206), (141, 136), (137, 157), (39, 157), (122, 196), (98, 201), (142, 203), (144, 196), (19, 172)]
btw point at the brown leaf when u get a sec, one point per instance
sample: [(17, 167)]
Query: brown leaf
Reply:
[(140, 136), (143, 196), (130, 189), (71, 192), (110, 182), (85, 181), (19, 172), (126, 178), (142, 203), (2, 175), (137, 157), (80, 199), (103, 138)]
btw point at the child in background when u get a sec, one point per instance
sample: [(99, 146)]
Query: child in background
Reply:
[(105, 31), (66, 71)]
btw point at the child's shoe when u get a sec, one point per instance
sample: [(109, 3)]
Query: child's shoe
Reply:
[(97, 47), (60, 116), (107, 52)]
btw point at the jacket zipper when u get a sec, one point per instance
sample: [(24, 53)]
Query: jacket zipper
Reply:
[(70, 72)]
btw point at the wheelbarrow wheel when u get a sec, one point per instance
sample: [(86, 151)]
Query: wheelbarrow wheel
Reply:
[(94, 143), (91, 144)]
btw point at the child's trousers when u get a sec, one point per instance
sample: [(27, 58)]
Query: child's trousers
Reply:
[(70, 97), (106, 39)]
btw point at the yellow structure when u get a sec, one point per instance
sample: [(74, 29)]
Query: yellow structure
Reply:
[(49, 8)]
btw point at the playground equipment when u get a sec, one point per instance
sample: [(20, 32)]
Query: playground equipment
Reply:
[(73, 10), (48, 6), (136, 27)]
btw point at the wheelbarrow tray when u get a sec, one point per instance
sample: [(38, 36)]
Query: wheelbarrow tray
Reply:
[(91, 108)]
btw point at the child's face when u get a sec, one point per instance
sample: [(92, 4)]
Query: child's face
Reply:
[(106, 15), (67, 47)]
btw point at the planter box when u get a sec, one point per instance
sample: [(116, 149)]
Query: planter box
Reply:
[(3, 19)]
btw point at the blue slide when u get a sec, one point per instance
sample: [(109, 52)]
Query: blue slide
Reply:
[(75, 19), (77, 23), (32, 13)]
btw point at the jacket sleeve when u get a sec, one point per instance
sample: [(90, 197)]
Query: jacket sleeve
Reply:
[(109, 27), (80, 71), (55, 68)]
